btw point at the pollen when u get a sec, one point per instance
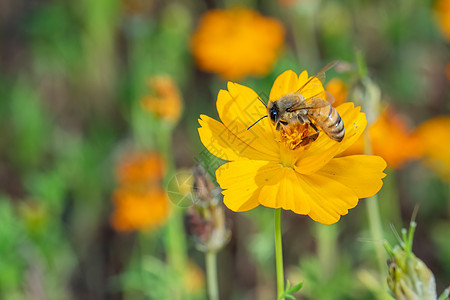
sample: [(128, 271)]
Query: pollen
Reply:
[(298, 135)]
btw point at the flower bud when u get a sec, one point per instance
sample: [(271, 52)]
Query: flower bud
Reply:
[(205, 221), (409, 278)]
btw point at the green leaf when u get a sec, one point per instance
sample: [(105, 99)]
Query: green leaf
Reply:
[(289, 291)]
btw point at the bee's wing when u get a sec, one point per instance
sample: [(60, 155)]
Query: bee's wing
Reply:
[(314, 102), (320, 76), (329, 97)]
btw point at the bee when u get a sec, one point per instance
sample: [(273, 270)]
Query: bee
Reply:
[(294, 109)]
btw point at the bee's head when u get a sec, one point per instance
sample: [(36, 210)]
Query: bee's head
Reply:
[(273, 112)]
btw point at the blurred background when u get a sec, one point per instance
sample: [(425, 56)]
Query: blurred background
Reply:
[(98, 120)]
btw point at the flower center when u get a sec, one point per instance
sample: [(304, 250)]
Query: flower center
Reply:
[(295, 136)]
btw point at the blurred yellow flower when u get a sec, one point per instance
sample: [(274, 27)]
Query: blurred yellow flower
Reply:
[(338, 89), (237, 42), (442, 13), (140, 201), (265, 171), (141, 208), (434, 135), (390, 139), (194, 279), (166, 101)]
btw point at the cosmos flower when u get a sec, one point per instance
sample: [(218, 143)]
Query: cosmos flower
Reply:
[(166, 101), (264, 169), (140, 167), (391, 139), (140, 202), (442, 14), (434, 136), (237, 42), (141, 208)]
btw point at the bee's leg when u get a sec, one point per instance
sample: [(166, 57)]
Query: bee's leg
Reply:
[(278, 126), (310, 138)]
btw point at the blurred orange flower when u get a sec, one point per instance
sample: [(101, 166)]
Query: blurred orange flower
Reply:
[(390, 139), (139, 208), (166, 101), (140, 167), (338, 89), (434, 135), (442, 13), (140, 201), (237, 42)]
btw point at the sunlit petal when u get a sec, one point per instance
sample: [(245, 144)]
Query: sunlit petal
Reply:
[(226, 144), (239, 108), (361, 173), (241, 181), (328, 198)]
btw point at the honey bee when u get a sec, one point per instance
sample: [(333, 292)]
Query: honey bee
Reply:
[(294, 109)]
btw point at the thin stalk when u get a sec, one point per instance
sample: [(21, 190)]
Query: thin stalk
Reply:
[(175, 249), (279, 253), (327, 250), (211, 275), (376, 232), (175, 238), (373, 211)]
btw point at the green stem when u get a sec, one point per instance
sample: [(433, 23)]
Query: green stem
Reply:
[(373, 212), (279, 253), (327, 249), (176, 250), (377, 232), (211, 274), (176, 239)]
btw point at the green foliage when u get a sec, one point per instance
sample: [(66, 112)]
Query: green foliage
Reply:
[(30, 127), (290, 290), (12, 262)]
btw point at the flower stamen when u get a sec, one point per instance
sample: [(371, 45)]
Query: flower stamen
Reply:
[(298, 135)]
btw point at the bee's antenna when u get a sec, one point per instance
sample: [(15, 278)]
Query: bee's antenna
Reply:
[(259, 98), (257, 121)]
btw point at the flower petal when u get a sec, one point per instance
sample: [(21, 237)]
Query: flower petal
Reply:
[(288, 82), (320, 152), (239, 181), (282, 190), (239, 108), (361, 173), (226, 144), (328, 198)]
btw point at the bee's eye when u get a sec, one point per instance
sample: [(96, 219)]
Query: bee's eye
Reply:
[(273, 114)]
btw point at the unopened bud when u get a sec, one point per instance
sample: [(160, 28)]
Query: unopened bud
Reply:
[(205, 221), (409, 278)]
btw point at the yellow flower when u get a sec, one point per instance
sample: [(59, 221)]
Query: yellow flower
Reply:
[(434, 136), (265, 171), (338, 89), (166, 102), (139, 208), (237, 42), (442, 13), (391, 139)]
